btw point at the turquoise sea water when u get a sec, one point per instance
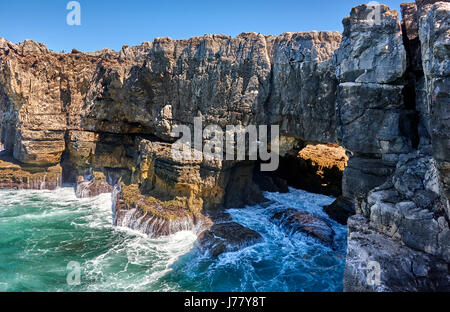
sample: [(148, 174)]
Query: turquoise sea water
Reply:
[(41, 232)]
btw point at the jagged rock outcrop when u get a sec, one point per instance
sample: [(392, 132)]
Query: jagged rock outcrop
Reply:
[(111, 114), (405, 232), (204, 184), (408, 208), (41, 95), (374, 122), (371, 49), (225, 80), (226, 237), (152, 216)]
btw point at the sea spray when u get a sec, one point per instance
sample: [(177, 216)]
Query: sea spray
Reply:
[(137, 219)]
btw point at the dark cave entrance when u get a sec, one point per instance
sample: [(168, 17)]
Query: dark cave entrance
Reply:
[(316, 168)]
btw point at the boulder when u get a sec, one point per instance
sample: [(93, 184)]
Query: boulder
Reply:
[(92, 185), (227, 237)]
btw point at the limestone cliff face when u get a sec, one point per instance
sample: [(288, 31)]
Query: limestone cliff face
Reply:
[(380, 90), (400, 190), (434, 33), (108, 115)]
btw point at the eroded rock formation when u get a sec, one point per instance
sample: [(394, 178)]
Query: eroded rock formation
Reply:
[(226, 236), (399, 241)]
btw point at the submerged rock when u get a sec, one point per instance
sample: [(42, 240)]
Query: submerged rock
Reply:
[(340, 210), (221, 217), (295, 221), (226, 237)]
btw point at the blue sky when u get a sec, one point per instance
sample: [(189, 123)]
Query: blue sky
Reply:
[(113, 23)]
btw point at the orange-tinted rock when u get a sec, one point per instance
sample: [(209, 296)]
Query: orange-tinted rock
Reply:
[(315, 168)]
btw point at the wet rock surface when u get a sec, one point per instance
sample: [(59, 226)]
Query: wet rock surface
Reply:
[(227, 237), (294, 221), (151, 216), (340, 210), (14, 175), (376, 263), (92, 185)]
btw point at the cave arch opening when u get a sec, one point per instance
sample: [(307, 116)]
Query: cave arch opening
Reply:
[(313, 167)]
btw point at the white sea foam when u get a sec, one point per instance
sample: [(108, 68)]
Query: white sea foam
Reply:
[(44, 230)]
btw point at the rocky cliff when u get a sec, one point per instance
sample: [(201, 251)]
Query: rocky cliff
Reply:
[(380, 90), (402, 224), (106, 115)]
